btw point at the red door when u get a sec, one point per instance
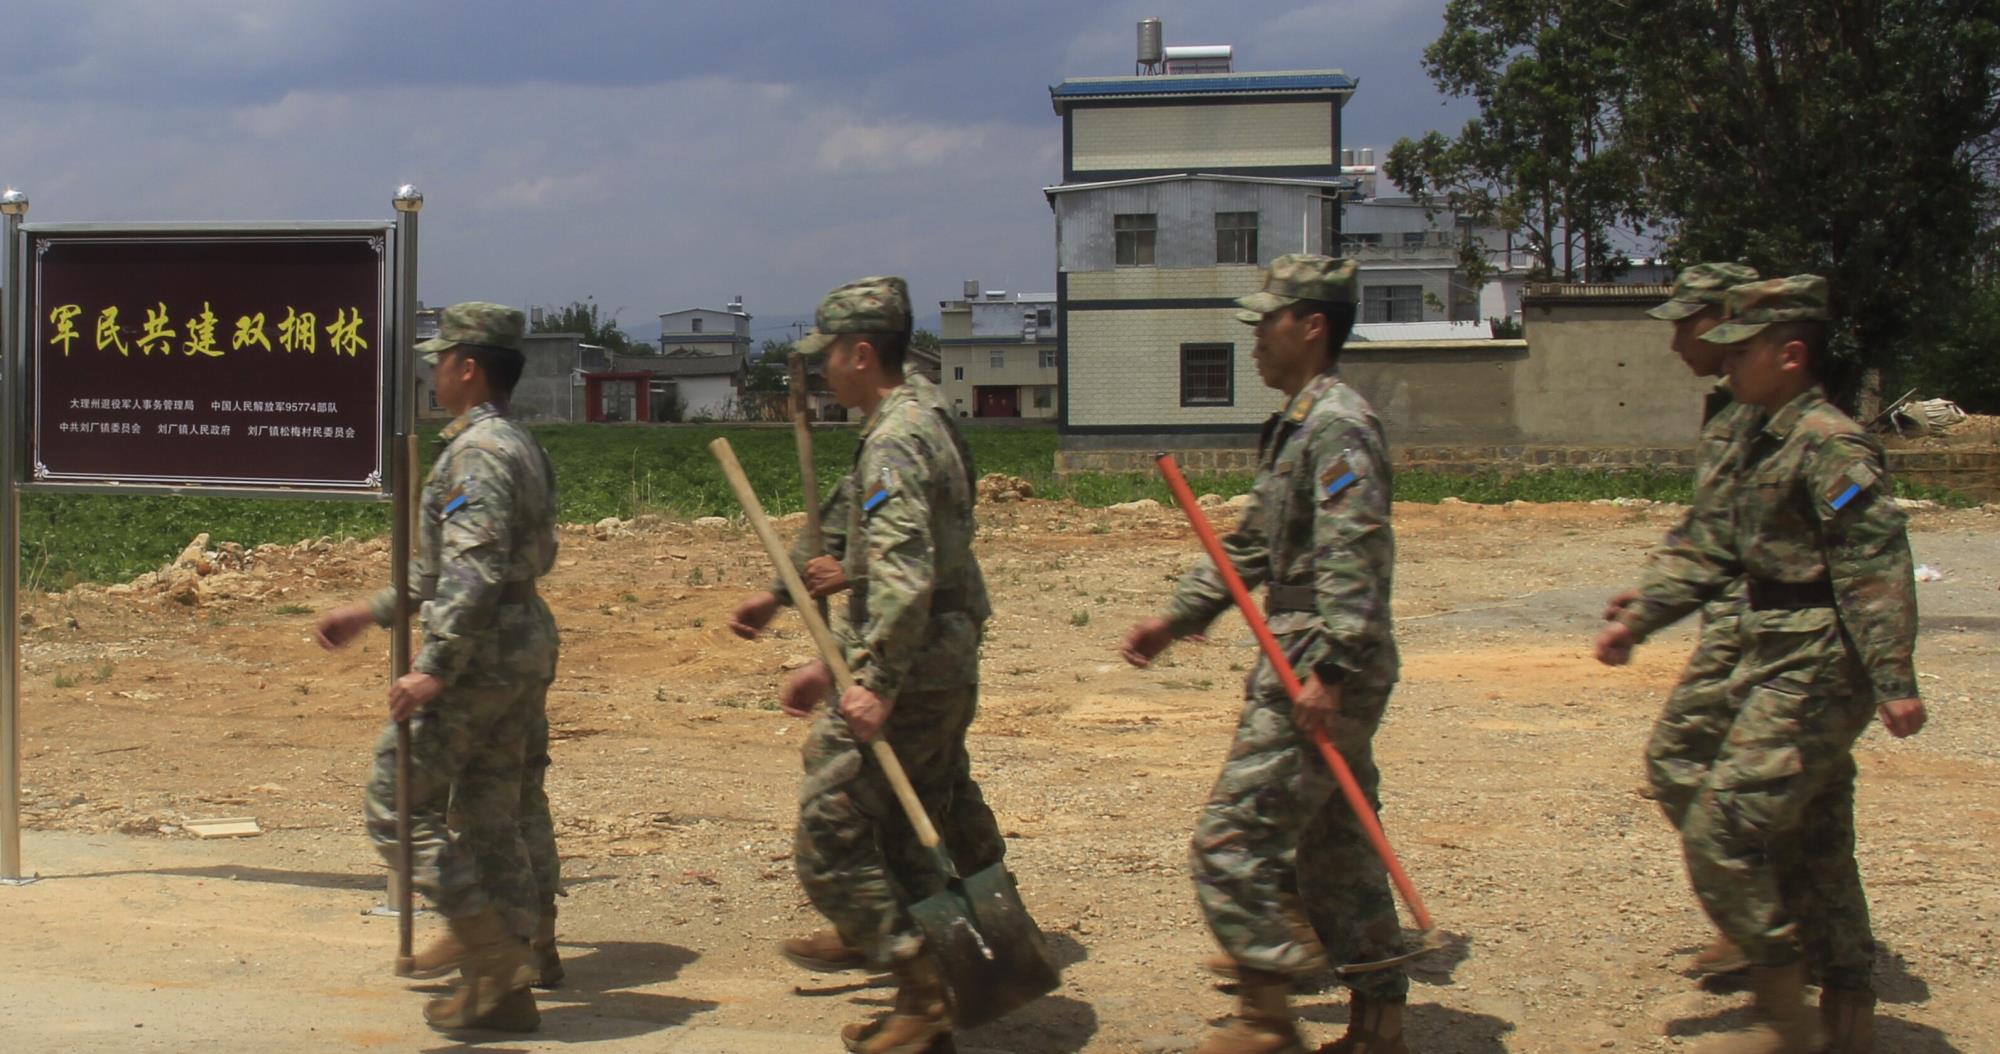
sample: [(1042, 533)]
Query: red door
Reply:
[(997, 400)]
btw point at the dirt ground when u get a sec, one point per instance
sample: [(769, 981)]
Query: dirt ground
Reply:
[(1511, 785)]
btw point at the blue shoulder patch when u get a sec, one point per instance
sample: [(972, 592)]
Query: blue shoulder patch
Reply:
[(1840, 501)]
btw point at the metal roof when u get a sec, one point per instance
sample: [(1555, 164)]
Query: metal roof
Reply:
[(1329, 183), (1171, 85)]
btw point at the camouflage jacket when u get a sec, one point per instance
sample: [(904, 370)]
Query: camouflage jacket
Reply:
[(1810, 505), (488, 530), (833, 508), (1718, 455), (1317, 531), (918, 600)]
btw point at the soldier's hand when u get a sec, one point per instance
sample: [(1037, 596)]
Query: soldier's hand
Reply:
[(411, 693), (1317, 707), (1617, 604), (803, 690), (1902, 717), (865, 712), (1615, 643), (751, 616), (338, 628), (824, 577), (1146, 640)]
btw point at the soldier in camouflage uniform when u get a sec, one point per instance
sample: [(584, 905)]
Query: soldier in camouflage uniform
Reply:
[(484, 847), (1828, 630), (1317, 532), (914, 622), (966, 823), (1699, 711)]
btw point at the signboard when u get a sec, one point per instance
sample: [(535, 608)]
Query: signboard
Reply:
[(235, 358)]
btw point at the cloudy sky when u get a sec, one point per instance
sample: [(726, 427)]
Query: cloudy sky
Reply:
[(652, 155)]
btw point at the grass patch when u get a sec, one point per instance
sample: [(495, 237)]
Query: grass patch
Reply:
[(624, 471), (293, 609)]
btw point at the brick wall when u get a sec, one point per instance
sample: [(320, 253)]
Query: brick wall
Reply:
[(1183, 137)]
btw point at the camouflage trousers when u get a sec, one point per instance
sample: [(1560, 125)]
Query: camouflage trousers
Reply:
[(1769, 839), (1276, 823), (855, 852), (476, 811), (1697, 716)]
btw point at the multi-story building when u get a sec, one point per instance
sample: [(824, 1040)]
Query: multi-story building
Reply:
[(997, 353), (705, 331), (1176, 189)]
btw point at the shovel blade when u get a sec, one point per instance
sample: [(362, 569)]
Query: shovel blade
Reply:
[(987, 947)]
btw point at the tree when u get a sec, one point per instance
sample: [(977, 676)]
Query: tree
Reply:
[(1542, 160), (582, 316), (1854, 139), (772, 370)]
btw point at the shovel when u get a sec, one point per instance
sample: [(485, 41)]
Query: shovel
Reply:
[(1432, 939), (986, 946)]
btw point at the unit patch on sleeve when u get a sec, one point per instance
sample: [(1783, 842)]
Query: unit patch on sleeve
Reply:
[(879, 492), (1342, 474)]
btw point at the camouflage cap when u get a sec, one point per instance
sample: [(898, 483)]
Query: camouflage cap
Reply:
[(1299, 276), (1701, 287), (475, 322), (1749, 308), (868, 305)]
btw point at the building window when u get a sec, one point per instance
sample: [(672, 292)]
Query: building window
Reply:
[(694, 325), (1414, 239), (1208, 375), (1045, 317), (958, 373), (432, 393), (997, 360), (1134, 236), (1045, 396), (1048, 358), (1392, 303), (1236, 237)]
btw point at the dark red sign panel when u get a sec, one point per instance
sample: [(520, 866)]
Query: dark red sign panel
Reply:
[(229, 358)]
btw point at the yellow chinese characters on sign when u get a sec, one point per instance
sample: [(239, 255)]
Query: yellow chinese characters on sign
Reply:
[(295, 332), (345, 333), (201, 334), (250, 330), (156, 332), (64, 318), (107, 331)]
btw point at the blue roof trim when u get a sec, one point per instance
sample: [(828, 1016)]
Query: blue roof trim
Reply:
[(1186, 85)]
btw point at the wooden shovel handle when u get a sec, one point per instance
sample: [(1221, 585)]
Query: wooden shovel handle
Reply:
[(829, 649)]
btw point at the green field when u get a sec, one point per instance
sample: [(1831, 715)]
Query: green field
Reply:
[(626, 470)]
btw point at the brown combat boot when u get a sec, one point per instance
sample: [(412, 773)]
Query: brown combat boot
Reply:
[(1722, 956), (1374, 1026), (548, 962), (1849, 1019), (435, 959), (914, 1024), (1263, 1020), (497, 964), (822, 952), (1783, 1025)]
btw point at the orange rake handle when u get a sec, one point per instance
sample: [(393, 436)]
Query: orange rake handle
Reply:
[(1356, 800)]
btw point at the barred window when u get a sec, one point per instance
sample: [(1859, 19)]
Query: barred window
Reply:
[(1208, 375)]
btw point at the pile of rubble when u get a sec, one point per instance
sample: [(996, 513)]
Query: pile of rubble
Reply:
[(229, 572), (999, 487)]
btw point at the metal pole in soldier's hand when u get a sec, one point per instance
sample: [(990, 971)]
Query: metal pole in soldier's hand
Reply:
[(980, 934), (1432, 938)]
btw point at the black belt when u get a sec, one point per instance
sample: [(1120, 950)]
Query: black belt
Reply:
[(1281, 598), (521, 591), (1771, 595)]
